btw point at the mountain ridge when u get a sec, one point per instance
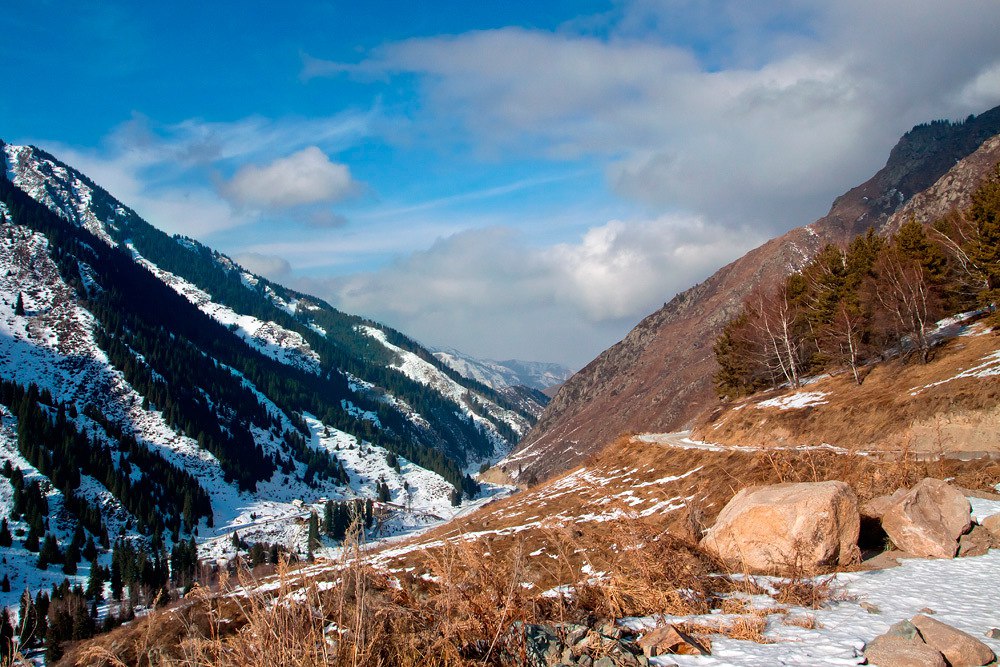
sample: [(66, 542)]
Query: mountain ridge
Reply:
[(658, 378)]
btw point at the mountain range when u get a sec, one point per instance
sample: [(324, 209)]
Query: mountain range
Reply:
[(155, 387)]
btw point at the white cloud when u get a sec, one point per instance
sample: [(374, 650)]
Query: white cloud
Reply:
[(302, 178), (490, 292), (166, 173), (270, 266), (803, 102)]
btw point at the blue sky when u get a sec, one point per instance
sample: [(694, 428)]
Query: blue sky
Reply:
[(510, 179)]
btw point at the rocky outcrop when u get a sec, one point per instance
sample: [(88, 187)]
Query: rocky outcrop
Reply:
[(787, 528), (659, 377), (929, 519)]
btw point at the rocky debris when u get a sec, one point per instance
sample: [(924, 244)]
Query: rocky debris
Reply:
[(975, 543), (959, 648), (671, 640), (877, 507), (605, 645), (787, 528), (926, 642), (992, 524), (928, 519)]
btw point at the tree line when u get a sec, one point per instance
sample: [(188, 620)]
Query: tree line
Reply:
[(878, 297)]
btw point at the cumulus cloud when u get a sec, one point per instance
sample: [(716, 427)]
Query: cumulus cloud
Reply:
[(490, 292), (166, 172), (305, 177)]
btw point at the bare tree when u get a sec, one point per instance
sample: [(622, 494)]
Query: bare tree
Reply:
[(773, 318), (904, 293)]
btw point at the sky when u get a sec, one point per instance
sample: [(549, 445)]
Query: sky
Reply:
[(510, 179)]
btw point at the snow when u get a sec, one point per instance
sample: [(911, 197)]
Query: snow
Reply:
[(272, 340), (961, 592), (802, 399), (427, 374), (988, 366), (500, 374)]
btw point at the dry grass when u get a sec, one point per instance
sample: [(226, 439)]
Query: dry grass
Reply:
[(807, 621), (881, 414)]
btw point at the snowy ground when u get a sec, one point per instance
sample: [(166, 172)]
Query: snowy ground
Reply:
[(962, 592)]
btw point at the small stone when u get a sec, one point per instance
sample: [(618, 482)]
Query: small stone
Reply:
[(604, 662), (585, 661), (669, 639), (960, 648), (926, 610), (870, 608), (993, 633)]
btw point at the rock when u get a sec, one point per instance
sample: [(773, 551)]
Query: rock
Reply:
[(876, 507), (870, 608), (669, 639), (992, 524), (976, 542), (928, 519), (960, 649), (887, 651), (903, 630), (541, 645), (993, 633), (787, 528)]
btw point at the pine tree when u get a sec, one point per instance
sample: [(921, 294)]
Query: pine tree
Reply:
[(19, 305), (5, 538), (6, 637), (984, 247)]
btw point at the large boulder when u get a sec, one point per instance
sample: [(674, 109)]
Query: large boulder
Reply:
[(960, 649), (890, 651), (928, 519), (787, 528)]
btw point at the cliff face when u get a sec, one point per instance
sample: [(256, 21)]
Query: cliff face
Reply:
[(659, 377)]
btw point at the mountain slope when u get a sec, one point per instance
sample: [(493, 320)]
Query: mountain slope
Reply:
[(149, 386), (659, 377), (510, 373)]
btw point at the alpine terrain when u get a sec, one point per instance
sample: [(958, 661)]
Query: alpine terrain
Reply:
[(151, 388), (660, 376)]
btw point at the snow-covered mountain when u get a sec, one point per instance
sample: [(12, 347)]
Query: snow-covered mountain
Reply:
[(153, 386), (510, 373)]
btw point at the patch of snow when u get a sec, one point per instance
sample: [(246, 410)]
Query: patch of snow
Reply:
[(802, 399)]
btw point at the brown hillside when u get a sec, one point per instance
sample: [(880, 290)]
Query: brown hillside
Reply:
[(659, 377), (950, 405)]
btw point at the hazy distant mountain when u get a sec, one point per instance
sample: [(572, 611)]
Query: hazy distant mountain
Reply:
[(510, 373)]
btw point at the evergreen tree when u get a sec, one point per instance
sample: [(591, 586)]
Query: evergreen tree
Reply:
[(6, 638), (984, 246), (5, 538), (19, 305)]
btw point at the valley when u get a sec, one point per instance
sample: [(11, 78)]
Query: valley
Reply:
[(624, 333)]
